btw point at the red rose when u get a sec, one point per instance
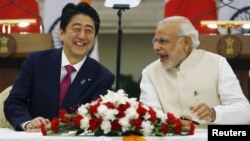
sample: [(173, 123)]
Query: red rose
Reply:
[(171, 118), (43, 129), (121, 113), (110, 105), (93, 109), (115, 126), (191, 130), (77, 120), (152, 114), (55, 125), (141, 110), (121, 109), (67, 122), (163, 128), (94, 123), (136, 123), (178, 126), (62, 116)]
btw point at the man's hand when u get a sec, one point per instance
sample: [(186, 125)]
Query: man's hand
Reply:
[(204, 112), (34, 125)]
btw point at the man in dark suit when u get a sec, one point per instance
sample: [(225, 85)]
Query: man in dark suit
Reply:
[(35, 97)]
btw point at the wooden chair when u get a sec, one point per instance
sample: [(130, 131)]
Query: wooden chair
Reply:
[(3, 95)]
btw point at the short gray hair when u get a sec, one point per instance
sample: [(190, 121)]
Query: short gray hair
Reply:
[(186, 28)]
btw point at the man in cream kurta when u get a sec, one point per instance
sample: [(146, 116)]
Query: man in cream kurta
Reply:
[(191, 82)]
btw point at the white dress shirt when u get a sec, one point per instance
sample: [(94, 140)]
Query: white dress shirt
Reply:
[(65, 62)]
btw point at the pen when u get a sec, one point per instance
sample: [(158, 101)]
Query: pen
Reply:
[(194, 122), (195, 93)]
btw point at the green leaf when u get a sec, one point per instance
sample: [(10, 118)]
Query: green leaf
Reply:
[(78, 132)]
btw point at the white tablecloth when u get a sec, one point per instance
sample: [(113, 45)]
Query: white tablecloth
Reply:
[(11, 135)]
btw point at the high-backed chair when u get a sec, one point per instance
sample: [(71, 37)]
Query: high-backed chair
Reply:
[(20, 9), (3, 95)]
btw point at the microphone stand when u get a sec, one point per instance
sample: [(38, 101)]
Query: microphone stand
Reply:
[(120, 7)]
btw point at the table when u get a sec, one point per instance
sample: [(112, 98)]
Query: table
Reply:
[(7, 134)]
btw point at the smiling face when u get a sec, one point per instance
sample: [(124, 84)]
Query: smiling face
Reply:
[(171, 48), (78, 37)]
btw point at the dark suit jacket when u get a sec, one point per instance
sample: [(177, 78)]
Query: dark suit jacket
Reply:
[(36, 90)]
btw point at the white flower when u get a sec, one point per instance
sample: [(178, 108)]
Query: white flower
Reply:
[(161, 115), (100, 115), (110, 114), (83, 109), (131, 113), (133, 102), (94, 102), (115, 98), (124, 122), (147, 128), (102, 110), (84, 123), (147, 116), (106, 126)]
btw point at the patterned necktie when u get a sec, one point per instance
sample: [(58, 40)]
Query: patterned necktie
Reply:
[(66, 81)]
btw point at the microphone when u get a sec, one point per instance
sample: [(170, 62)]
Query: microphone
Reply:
[(29, 11)]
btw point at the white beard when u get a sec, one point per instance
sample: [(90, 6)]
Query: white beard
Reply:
[(179, 57), (169, 65)]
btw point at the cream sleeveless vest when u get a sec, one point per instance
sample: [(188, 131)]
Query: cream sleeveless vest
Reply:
[(195, 81)]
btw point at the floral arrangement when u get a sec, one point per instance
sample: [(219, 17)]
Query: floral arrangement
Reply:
[(117, 115)]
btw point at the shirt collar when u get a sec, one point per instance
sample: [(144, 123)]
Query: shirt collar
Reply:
[(65, 62), (191, 58), (187, 61)]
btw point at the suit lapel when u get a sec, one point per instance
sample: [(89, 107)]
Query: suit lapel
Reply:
[(83, 79)]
